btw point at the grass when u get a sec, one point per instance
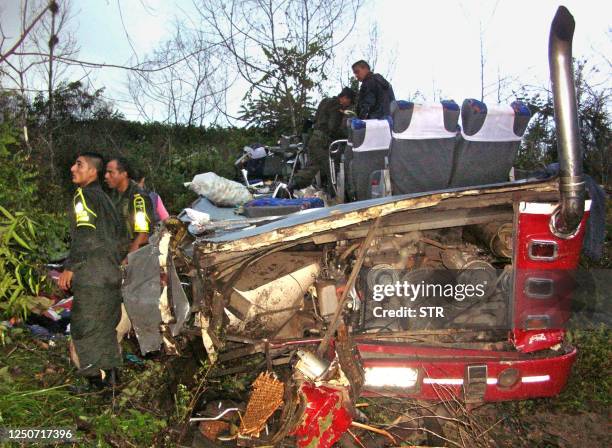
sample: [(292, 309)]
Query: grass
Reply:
[(590, 384), (35, 380), (34, 392)]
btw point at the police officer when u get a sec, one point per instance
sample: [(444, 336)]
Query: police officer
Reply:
[(132, 202), (329, 125), (136, 211), (375, 93), (92, 272)]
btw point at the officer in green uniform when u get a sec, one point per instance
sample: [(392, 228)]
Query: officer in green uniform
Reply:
[(92, 272), (132, 202), (329, 125)]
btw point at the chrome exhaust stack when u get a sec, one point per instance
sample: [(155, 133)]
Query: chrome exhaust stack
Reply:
[(567, 218)]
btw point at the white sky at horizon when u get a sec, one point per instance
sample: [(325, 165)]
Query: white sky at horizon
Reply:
[(432, 47)]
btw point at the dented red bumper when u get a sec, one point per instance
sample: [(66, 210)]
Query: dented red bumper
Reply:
[(447, 373)]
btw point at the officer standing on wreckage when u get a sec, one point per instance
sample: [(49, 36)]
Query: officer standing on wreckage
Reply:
[(92, 271), (329, 125), (375, 94)]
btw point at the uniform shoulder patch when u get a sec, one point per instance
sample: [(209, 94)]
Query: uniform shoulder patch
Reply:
[(84, 215), (141, 219)]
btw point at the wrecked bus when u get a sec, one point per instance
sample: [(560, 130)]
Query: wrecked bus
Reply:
[(458, 292)]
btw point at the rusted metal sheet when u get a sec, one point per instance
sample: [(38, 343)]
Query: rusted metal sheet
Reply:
[(141, 292), (147, 301), (266, 398), (270, 293), (299, 226)]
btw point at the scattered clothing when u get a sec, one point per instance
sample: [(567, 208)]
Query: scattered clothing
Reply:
[(160, 213), (134, 359), (198, 220), (40, 332)]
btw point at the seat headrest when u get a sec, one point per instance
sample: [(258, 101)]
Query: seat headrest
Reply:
[(493, 123), (356, 123), (522, 115), (425, 121), (377, 134)]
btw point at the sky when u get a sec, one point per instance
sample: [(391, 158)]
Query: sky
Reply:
[(432, 47)]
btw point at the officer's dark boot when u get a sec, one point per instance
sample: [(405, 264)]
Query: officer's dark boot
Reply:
[(96, 382), (111, 377)]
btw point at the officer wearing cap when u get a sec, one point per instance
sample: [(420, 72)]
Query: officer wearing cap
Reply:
[(92, 272), (329, 125), (132, 202)]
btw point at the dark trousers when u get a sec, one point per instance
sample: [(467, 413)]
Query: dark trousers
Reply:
[(318, 160), (96, 311)]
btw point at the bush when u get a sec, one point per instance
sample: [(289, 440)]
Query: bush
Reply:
[(17, 174), (20, 283), (166, 155), (29, 237)]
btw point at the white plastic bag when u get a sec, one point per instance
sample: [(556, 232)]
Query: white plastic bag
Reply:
[(255, 153), (198, 220), (219, 190)]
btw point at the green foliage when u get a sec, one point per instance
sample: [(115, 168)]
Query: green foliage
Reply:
[(134, 417), (24, 398), (182, 401), (140, 428), (28, 237), (51, 236), (72, 102), (281, 101), (7, 333), (20, 282), (34, 392), (167, 162), (17, 406), (166, 155), (590, 385), (145, 386), (595, 124), (17, 176), (539, 145)]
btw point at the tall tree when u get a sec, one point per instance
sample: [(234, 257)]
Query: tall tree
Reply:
[(33, 61), (281, 49), (539, 145), (189, 91), (595, 123)]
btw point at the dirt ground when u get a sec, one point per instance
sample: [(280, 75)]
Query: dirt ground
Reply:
[(565, 430)]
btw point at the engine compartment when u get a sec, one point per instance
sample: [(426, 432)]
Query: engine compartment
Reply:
[(284, 281), (295, 293)]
